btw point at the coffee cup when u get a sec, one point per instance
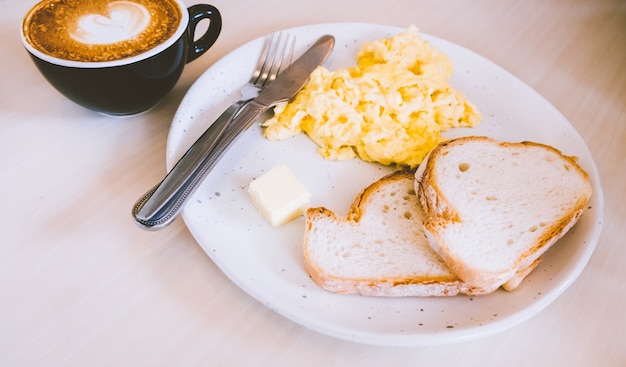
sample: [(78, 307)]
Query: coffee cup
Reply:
[(118, 57)]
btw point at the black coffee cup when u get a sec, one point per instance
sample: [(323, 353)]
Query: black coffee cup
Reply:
[(122, 85)]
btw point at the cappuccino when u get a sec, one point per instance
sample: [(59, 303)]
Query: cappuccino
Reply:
[(100, 30)]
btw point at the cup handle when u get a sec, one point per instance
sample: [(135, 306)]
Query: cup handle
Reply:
[(197, 13)]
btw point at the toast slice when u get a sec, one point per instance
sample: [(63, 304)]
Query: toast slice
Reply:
[(493, 208), (379, 248)]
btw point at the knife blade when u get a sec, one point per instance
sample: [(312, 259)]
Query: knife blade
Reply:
[(161, 205)]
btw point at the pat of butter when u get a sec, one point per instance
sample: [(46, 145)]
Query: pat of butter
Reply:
[(279, 196)]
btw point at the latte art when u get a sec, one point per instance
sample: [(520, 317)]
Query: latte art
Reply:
[(125, 21), (100, 30)]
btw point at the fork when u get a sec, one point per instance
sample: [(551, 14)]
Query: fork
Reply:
[(275, 57), (161, 204)]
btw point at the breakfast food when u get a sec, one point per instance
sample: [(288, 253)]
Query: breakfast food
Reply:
[(493, 208), (279, 196), (379, 248), (476, 215), (390, 108)]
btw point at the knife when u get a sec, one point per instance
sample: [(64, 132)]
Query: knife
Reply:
[(161, 205)]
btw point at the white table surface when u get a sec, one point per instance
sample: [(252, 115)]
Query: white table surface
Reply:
[(82, 285)]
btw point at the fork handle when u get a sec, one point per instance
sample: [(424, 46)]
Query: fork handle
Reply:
[(161, 204)]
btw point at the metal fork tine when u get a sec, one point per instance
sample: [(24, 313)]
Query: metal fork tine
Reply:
[(276, 63), (269, 61), (262, 60), (291, 51), (276, 55), (283, 60)]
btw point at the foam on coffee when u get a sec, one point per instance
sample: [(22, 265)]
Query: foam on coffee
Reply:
[(100, 30), (125, 21)]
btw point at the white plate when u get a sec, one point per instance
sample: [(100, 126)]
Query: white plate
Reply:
[(266, 262)]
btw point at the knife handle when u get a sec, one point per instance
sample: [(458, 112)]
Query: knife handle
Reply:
[(161, 205)]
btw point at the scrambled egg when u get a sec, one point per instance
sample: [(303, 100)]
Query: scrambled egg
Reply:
[(390, 108)]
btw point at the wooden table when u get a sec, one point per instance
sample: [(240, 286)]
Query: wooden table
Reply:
[(81, 285)]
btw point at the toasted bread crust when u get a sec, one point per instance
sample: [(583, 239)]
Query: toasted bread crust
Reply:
[(441, 213), (359, 205)]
